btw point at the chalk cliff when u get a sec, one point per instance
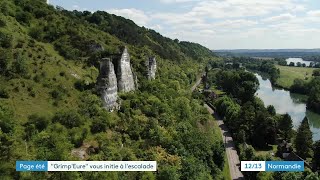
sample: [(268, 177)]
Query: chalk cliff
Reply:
[(107, 84), (152, 67), (124, 73)]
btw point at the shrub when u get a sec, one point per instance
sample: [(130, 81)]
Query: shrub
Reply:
[(19, 66), (23, 17), (40, 122), (37, 78), (5, 60), (69, 119), (99, 125), (62, 73), (5, 40), (4, 93), (36, 33), (2, 23), (32, 94)]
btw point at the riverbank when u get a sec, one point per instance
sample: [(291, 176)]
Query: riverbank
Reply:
[(288, 74), (286, 102)]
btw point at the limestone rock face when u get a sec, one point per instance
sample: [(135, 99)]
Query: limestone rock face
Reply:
[(124, 73), (107, 84), (152, 67)]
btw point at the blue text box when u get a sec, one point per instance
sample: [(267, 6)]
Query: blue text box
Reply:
[(31, 165), (293, 166)]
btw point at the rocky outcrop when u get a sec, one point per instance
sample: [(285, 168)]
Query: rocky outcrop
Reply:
[(151, 67), (114, 78), (124, 73), (95, 47), (107, 84)]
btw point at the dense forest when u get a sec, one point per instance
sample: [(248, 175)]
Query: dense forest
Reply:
[(49, 107), (256, 127)]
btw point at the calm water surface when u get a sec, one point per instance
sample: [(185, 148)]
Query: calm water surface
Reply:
[(296, 60), (286, 102)]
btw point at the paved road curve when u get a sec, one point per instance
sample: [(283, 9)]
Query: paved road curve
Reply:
[(233, 158)]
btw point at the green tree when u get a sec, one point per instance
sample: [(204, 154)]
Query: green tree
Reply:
[(285, 127), (168, 173), (303, 141), (182, 108), (291, 64), (271, 110), (6, 118), (299, 86), (316, 72), (99, 124), (314, 95), (312, 176), (316, 156)]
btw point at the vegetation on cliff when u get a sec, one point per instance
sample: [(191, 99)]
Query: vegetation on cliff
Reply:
[(49, 107)]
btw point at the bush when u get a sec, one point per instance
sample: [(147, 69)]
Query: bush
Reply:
[(78, 135), (5, 60), (23, 17), (32, 94), (19, 66), (37, 78), (57, 94), (69, 119), (99, 125), (5, 40), (4, 93), (2, 23), (62, 73), (82, 85), (40, 122), (36, 33)]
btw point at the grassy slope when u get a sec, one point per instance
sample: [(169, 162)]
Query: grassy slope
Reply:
[(42, 58), (289, 74)]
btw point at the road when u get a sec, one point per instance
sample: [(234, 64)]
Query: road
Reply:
[(232, 155), (196, 84)]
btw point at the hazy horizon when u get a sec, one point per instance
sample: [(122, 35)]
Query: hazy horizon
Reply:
[(221, 24)]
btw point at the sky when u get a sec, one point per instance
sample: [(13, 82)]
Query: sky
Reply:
[(220, 24)]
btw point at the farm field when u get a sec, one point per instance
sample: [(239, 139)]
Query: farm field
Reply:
[(288, 74)]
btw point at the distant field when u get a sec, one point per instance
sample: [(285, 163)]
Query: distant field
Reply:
[(289, 74)]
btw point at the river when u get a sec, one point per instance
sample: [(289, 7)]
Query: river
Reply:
[(296, 60), (286, 102)]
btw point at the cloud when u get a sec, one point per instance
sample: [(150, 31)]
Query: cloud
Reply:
[(138, 16), (75, 7), (177, 1), (281, 17), (233, 23), (298, 8), (314, 13), (240, 8)]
